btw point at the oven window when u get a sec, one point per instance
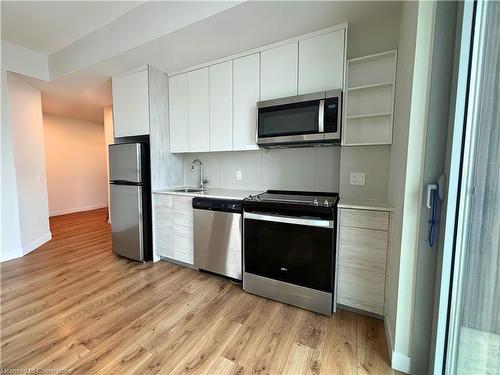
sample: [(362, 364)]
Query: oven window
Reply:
[(296, 254), (289, 119)]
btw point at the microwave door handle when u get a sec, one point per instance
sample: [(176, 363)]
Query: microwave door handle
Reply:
[(289, 220), (321, 116)]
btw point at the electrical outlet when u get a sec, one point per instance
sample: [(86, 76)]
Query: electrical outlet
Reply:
[(238, 175), (357, 178)]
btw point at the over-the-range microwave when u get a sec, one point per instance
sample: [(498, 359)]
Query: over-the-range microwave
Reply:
[(300, 120)]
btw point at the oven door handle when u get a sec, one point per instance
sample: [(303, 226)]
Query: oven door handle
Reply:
[(289, 220)]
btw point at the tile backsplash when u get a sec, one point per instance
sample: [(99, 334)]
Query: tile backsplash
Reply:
[(309, 168)]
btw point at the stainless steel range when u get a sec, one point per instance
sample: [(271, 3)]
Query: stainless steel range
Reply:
[(289, 247)]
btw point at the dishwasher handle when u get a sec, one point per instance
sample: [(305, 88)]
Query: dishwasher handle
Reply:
[(215, 204)]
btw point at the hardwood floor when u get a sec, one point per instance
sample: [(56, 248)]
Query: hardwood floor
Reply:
[(74, 305)]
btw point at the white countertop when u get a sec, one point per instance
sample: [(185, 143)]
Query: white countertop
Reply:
[(212, 193), (372, 205)]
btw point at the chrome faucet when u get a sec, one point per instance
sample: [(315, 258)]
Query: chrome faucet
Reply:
[(203, 180)]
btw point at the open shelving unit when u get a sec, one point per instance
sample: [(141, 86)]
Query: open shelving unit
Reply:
[(369, 99)]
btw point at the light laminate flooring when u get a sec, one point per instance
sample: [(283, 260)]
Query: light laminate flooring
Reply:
[(73, 305)]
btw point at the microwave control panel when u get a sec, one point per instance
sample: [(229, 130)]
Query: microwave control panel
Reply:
[(331, 115)]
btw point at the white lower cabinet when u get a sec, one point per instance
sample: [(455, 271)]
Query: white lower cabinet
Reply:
[(173, 227), (362, 257)]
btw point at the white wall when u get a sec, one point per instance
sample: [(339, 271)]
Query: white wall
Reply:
[(309, 168), (405, 175), (75, 154), (27, 62), (373, 161), (25, 108)]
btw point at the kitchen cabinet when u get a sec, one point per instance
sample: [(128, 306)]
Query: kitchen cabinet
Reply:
[(183, 229), (245, 97), (198, 110), (213, 106), (163, 225), (173, 227), (279, 72), (178, 113), (321, 62), (221, 106), (131, 103), (363, 241)]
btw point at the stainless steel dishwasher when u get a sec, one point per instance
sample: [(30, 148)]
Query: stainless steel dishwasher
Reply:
[(217, 236)]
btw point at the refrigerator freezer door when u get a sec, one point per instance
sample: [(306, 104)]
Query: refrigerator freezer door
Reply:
[(125, 162), (127, 221)]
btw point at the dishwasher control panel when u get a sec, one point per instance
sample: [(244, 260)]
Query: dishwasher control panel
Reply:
[(225, 205)]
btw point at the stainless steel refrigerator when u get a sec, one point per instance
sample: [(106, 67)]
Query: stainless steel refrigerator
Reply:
[(130, 200)]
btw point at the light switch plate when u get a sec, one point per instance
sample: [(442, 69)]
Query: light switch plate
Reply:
[(238, 175), (357, 178)]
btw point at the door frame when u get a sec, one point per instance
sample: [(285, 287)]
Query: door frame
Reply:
[(461, 142)]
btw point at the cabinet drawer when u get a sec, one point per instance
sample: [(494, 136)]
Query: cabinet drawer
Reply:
[(378, 220), (361, 289), (363, 248)]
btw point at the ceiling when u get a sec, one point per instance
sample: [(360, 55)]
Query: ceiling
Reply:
[(48, 26), (175, 35)]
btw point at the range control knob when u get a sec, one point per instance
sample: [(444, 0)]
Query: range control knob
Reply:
[(326, 203), (315, 202)]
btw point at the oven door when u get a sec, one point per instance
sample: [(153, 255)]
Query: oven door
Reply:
[(294, 250)]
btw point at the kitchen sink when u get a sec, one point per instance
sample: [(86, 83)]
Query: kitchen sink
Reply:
[(189, 190)]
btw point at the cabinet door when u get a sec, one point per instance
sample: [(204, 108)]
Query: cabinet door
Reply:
[(178, 113), (183, 229), (198, 110), (279, 72), (321, 62), (245, 98), (163, 225), (131, 104), (221, 106), (361, 289)]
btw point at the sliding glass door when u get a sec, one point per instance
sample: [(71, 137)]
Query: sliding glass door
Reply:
[(472, 335)]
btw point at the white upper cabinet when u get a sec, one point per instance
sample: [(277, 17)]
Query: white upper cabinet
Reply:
[(213, 106), (245, 98), (221, 106), (178, 113), (321, 62), (131, 103), (279, 72), (198, 110)]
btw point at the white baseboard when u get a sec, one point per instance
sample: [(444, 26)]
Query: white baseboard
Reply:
[(9, 255), (76, 209), (37, 243), (400, 362)]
